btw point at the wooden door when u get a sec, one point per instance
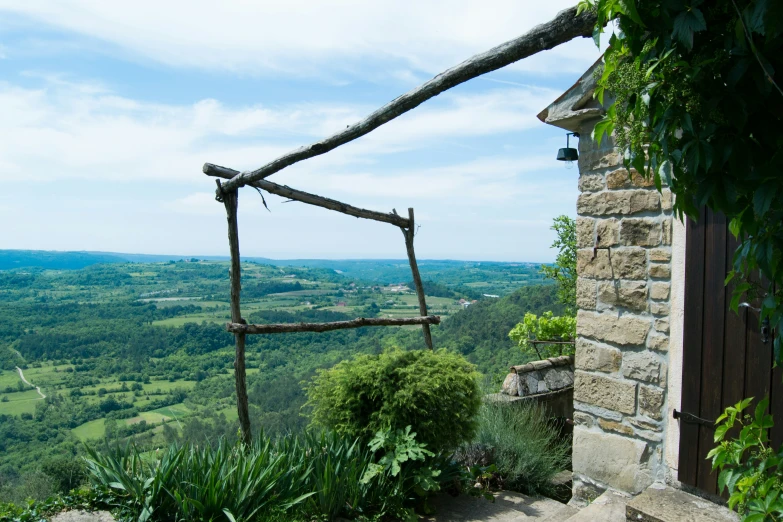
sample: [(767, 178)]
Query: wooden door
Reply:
[(724, 358)]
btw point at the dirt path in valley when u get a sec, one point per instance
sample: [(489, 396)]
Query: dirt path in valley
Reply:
[(37, 388)]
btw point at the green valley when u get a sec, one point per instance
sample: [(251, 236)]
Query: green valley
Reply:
[(130, 350)]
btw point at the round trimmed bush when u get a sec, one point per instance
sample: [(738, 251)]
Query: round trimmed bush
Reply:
[(436, 393)]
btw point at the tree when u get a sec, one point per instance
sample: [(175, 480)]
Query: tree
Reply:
[(697, 106), (563, 271)]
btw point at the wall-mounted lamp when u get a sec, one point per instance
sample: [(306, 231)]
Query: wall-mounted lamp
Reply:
[(568, 154)]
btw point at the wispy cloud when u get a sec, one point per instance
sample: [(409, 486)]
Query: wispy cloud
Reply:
[(304, 38), (66, 129)]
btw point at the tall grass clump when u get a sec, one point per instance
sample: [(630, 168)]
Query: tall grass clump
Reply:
[(293, 478), (526, 447), (435, 393)]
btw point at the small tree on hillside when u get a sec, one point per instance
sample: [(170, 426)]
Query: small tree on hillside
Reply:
[(563, 271)]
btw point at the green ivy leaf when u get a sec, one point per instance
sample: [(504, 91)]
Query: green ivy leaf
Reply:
[(687, 23)]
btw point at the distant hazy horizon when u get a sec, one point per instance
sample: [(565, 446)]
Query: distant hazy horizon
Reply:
[(219, 257)]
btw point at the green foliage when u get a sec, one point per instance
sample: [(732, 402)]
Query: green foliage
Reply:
[(564, 269), (312, 476), (480, 332), (698, 106), (433, 392), (750, 469), (544, 328), (41, 511), (527, 449)]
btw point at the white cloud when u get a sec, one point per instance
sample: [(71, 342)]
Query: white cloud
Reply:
[(303, 38), (72, 130)]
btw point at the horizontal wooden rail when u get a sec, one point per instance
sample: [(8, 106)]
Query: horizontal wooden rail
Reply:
[(565, 26), (311, 199), (327, 327)]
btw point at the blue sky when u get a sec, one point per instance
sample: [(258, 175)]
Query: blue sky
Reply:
[(108, 113)]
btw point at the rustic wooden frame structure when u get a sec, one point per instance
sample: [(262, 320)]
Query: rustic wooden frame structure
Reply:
[(566, 26)]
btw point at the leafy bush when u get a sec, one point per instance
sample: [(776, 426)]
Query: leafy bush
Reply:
[(525, 447), (433, 392), (750, 468), (544, 328)]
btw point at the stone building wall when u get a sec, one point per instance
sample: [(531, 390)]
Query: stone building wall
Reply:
[(624, 236)]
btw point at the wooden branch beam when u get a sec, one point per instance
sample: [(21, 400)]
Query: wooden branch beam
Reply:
[(240, 328), (311, 199), (231, 201), (409, 233), (565, 26)]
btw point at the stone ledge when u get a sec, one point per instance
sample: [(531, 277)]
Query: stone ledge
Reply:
[(666, 504), (563, 360)]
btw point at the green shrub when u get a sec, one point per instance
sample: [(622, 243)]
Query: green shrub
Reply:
[(544, 328), (750, 467), (435, 393), (526, 448)]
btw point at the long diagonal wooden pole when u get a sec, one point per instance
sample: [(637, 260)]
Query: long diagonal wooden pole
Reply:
[(230, 199), (565, 26)]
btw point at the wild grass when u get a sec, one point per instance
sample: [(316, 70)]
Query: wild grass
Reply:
[(305, 477), (523, 443)]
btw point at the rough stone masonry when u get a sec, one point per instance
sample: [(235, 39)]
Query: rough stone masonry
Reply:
[(624, 235)]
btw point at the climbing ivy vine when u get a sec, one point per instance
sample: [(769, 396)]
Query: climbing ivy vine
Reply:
[(695, 102)]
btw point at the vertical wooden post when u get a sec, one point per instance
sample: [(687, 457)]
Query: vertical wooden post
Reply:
[(231, 201), (409, 233)]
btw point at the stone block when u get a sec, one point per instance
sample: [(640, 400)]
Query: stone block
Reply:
[(629, 294), (593, 160), (660, 254), (652, 436), (662, 324), (645, 424), (610, 459), (583, 419), (591, 182), (659, 342), (585, 293), (607, 233), (660, 270), (640, 232), (659, 290), (659, 308), (666, 227), (584, 232), (594, 264), (528, 383), (592, 356), (614, 426), (620, 178), (651, 401), (629, 263), (644, 200), (557, 379), (667, 503), (617, 202), (666, 199), (510, 385), (606, 392), (624, 330), (643, 366)]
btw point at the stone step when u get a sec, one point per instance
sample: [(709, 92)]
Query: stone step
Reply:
[(507, 507), (609, 507), (660, 503)]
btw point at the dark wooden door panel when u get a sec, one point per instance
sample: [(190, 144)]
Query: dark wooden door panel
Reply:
[(724, 358)]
